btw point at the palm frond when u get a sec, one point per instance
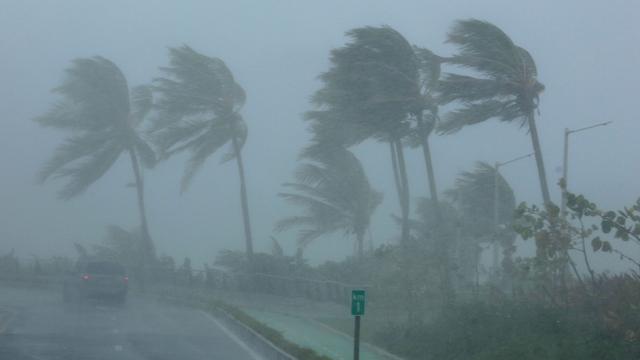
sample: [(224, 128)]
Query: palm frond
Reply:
[(314, 204), (81, 175), (103, 122), (99, 90), (429, 65), (141, 102), (333, 193), (467, 89), (74, 148), (485, 48), (473, 113), (204, 146), (373, 83), (508, 75), (197, 84), (177, 136), (292, 222), (474, 193)]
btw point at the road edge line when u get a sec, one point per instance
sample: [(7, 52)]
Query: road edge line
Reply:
[(373, 347), (233, 336)]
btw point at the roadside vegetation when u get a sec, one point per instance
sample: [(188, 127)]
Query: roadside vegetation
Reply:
[(431, 294)]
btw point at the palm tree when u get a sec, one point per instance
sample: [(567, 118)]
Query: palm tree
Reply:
[(507, 88), (335, 195), (369, 92), (486, 207), (426, 120), (198, 110), (104, 120)]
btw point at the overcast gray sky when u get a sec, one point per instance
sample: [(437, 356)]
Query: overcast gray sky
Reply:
[(587, 54)]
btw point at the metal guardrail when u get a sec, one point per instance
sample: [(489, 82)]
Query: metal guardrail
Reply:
[(216, 279)]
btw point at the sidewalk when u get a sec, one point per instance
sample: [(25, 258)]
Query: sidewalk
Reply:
[(296, 319), (307, 333)]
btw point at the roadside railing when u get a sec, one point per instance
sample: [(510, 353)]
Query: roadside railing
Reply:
[(50, 273)]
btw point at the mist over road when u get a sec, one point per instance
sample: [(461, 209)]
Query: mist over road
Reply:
[(41, 327)]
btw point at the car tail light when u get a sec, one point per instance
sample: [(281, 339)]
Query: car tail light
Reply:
[(86, 277), (125, 279)]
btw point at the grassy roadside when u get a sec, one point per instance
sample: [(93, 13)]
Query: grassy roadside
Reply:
[(274, 336), (269, 333), (345, 326)]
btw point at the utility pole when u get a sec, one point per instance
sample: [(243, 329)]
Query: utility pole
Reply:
[(565, 164)]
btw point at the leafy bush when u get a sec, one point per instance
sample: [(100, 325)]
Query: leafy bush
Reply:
[(508, 331)]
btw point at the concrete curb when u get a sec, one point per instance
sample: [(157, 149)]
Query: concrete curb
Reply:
[(257, 342), (376, 349)]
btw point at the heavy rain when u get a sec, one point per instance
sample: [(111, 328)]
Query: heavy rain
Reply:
[(319, 180)]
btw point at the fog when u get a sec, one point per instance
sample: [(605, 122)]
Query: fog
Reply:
[(586, 53)]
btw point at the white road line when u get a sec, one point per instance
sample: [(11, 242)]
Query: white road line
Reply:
[(232, 336)]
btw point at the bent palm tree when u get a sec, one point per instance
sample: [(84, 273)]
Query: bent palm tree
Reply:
[(104, 120), (508, 89), (335, 194), (426, 120), (486, 203), (199, 112), (369, 91)]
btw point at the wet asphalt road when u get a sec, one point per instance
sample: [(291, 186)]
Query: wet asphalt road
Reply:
[(42, 327)]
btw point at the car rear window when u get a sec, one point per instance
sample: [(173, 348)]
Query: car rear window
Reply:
[(106, 268)]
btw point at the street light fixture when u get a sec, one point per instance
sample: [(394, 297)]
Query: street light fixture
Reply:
[(496, 201), (565, 163)]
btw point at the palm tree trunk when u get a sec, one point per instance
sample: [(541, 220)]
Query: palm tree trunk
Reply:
[(445, 281), (426, 151), (402, 172), (396, 176), (149, 249), (538, 154), (243, 198)]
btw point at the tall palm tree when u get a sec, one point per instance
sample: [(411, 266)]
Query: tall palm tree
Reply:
[(507, 88), (199, 112), (104, 121), (426, 120), (335, 195), (370, 91)]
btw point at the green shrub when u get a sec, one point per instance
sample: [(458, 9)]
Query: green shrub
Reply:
[(507, 331)]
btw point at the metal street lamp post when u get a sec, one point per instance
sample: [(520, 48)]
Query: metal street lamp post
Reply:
[(565, 163), (496, 201)]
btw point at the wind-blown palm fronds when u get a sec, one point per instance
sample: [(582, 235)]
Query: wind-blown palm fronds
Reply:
[(198, 110), (104, 121), (368, 93), (486, 209), (335, 196), (507, 87)]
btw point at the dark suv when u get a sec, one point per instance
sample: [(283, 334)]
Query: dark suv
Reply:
[(100, 279)]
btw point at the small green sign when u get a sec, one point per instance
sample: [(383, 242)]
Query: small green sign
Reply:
[(357, 302)]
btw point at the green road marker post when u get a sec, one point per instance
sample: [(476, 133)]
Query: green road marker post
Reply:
[(357, 310)]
